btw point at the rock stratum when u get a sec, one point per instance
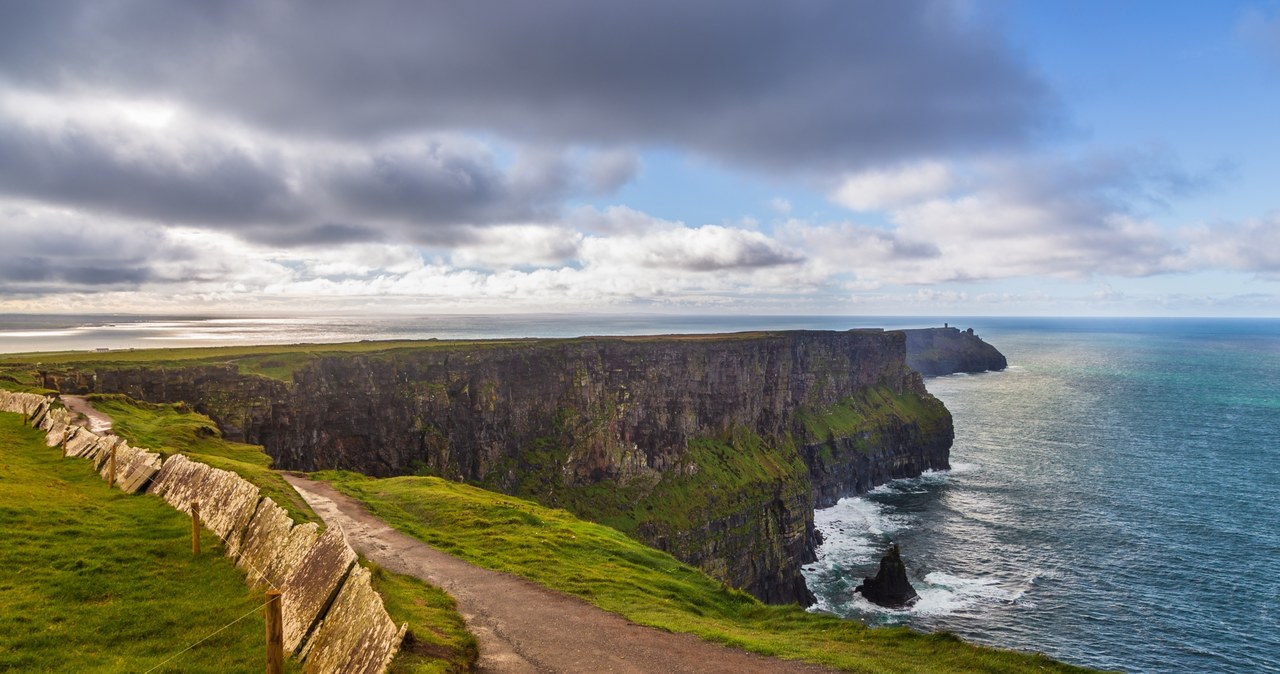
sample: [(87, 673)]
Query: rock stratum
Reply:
[(939, 351), (715, 448)]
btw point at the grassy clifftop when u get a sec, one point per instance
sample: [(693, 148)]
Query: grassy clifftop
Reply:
[(603, 566)]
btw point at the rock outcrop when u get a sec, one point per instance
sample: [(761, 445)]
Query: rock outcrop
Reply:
[(715, 448), (890, 588), (938, 351)]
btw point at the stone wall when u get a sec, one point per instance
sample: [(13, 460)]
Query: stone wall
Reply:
[(333, 619)]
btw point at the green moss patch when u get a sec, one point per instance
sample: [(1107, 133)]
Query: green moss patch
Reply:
[(862, 416)]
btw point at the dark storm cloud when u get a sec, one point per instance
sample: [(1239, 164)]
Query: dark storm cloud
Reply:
[(432, 183), (271, 192), (80, 273), (103, 168), (749, 256), (818, 83)]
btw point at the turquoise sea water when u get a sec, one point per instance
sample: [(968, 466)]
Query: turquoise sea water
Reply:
[(1114, 499)]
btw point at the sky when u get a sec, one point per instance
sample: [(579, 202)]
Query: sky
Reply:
[(1037, 157)]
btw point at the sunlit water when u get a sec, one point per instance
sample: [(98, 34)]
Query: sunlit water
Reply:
[(1114, 501), (25, 333), (1114, 498)]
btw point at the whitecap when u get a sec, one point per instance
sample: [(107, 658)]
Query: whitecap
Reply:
[(942, 593)]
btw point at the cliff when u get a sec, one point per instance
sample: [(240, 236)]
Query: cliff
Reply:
[(938, 351), (714, 448)]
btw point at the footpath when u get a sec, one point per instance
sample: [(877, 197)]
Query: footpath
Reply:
[(523, 627)]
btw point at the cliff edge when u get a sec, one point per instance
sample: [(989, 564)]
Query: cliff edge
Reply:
[(938, 351), (715, 448)]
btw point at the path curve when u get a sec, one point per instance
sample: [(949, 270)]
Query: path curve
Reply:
[(95, 421), (524, 627)]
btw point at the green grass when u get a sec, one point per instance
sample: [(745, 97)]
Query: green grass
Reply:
[(95, 580), (438, 640), (274, 361), (618, 574), (278, 361), (175, 428), (871, 410)]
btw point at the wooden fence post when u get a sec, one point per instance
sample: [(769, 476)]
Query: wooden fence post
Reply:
[(195, 528), (275, 634), (111, 472)]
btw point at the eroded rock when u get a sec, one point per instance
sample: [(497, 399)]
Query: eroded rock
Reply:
[(890, 587)]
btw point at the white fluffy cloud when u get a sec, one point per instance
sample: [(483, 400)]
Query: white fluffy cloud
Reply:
[(888, 188)]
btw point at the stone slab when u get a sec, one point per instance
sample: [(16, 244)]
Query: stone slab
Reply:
[(178, 482), (20, 403), (312, 585), (59, 434), (227, 502), (103, 452), (356, 636), (272, 546), (139, 468), (80, 444), (56, 416), (38, 414), (302, 537)]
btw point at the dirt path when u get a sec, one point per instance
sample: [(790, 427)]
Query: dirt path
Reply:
[(95, 421), (523, 627)]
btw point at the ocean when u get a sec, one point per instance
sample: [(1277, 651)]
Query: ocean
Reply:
[(1114, 500), (1114, 497)]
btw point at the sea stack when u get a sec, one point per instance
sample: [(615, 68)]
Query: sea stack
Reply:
[(890, 588)]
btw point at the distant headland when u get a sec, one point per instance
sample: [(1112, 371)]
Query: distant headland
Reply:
[(938, 351)]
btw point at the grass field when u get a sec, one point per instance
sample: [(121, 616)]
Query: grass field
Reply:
[(95, 580), (437, 641), (618, 574), (19, 371)]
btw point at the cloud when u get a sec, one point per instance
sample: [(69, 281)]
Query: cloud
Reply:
[(1070, 218), (512, 246), (826, 83), (880, 189), (702, 249), (49, 251), (163, 163), (1252, 246)]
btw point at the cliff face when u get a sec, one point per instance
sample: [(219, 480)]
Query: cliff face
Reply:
[(938, 351), (714, 448)]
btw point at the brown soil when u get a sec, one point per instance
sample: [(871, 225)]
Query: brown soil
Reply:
[(524, 627), (82, 413)]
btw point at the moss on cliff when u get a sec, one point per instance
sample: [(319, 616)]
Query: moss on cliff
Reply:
[(863, 416)]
